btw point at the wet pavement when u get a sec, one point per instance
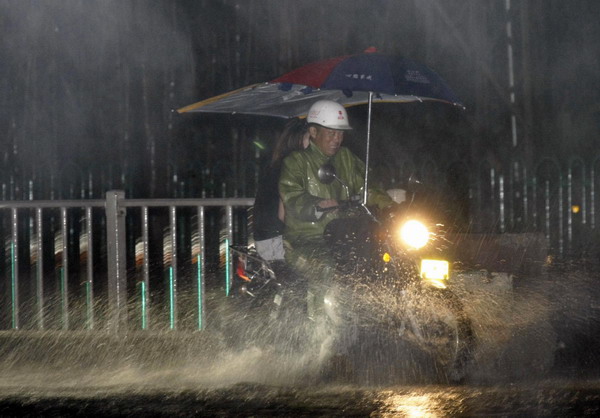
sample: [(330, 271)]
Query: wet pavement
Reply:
[(551, 398), (135, 378)]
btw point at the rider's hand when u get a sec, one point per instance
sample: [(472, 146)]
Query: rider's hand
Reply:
[(324, 205), (327, 203)]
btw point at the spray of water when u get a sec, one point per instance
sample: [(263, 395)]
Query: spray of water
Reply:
[(516, 332)]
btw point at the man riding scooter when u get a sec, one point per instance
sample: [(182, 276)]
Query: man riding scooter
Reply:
[(370, 279), (310, 204)]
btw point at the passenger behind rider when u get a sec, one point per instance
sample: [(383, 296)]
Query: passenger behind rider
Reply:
[(268, 207), (303, 195)]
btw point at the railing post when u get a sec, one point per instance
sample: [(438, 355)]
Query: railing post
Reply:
[(117, 280), (39, 268), (89, 268), (14, 260), (228, 242), (64, 268), (173, 268), (201, 253), (145, 283)]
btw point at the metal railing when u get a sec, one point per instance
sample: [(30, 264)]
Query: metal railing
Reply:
[(66, 260), (552, 196), (88, 264), (556, 199)]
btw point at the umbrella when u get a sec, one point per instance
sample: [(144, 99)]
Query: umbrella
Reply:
[(346, 80), (366, 78)]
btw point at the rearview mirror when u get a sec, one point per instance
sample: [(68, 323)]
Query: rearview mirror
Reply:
[(326, 173)]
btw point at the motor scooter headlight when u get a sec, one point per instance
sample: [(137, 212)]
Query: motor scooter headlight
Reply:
[(414, 234)]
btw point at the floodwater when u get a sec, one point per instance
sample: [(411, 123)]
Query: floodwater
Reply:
[(548, 398), (536, 355)]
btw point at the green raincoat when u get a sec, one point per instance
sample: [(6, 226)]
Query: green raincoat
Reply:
[(301, 190)]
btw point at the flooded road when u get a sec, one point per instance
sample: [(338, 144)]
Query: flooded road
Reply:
[(550, 398), (172, 377), (536, 355)]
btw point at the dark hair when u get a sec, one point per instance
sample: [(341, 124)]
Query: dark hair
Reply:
[(289, 140)]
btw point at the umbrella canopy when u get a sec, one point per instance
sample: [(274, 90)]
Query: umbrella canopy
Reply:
[(366, 78), (348, 80)]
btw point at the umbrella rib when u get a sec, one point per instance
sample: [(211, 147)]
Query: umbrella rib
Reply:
[(201, 103)]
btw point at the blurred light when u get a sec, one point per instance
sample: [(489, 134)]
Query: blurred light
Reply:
[(386, 258), (575, 208), (434, 269), (414, 234)]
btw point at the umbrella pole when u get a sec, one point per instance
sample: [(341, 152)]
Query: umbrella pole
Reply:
[(365, 191)]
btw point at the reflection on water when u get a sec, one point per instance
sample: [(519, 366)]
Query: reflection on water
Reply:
[(550, 398), (413, 406), (431, 402)]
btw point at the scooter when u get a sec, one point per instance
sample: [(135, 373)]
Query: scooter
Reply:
[(392, 290)]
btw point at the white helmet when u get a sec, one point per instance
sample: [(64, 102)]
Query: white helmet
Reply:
[(329, 114)]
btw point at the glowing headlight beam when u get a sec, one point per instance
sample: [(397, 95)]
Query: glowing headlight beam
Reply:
[(414, 234)]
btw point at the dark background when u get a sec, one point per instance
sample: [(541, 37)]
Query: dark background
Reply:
[(88, 88)]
